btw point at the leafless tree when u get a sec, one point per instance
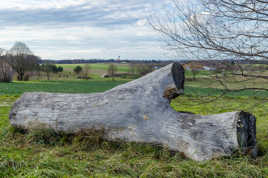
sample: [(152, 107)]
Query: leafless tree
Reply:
[(22, 63), (132, 68), (6, 73), (112, 69), (217, 29), (86, 71)]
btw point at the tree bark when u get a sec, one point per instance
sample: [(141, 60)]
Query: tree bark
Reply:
[(138, 111)]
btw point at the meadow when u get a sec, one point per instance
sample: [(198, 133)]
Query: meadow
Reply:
[(47, 154), (97, 68)]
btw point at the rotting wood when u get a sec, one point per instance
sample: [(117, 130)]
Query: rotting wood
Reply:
[(139, 111)]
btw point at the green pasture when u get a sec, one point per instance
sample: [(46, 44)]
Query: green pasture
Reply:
[(59, 86)]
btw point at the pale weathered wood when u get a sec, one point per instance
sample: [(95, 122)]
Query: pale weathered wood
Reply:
[(139, 112)]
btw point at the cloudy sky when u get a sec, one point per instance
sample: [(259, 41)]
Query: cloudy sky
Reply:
[(66, 29)]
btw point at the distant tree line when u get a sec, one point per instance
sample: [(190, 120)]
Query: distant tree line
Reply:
[(160, 62), (92, 61)]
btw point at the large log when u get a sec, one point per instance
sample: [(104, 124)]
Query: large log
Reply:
[(139, 111)]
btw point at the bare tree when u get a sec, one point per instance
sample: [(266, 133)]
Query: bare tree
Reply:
[(132, 68), (6, 73), (217, 29), (23, 63), (86, 71), (112, 69)]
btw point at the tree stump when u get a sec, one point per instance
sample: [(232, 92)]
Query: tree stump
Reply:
[(139, 111)]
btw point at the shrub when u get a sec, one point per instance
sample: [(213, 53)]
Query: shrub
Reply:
[(60, 69), (78, 69)]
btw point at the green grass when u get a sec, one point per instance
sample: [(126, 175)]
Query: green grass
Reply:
[(200, 91), (44, 154), (202, 73), (28, 155), (75, 86), (100, 85)]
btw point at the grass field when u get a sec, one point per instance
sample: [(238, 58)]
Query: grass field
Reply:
[(45, 154), (98, 66), (70, 86)]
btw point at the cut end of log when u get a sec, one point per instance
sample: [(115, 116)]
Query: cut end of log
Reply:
[(178, 76), (246, 133), (171, 93), (177, 72)]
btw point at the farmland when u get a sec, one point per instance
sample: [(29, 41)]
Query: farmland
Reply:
[(47, 154)]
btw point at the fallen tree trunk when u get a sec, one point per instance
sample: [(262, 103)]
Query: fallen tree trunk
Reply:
[(139, 111)]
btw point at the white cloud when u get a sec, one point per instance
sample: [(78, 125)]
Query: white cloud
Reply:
[(82, 28), (39, 4)]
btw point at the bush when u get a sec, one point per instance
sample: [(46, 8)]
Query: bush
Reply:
[(78, 69), (6, 72), (60, 69)]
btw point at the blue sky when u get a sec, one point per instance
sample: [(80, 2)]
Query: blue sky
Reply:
[(66, 29)]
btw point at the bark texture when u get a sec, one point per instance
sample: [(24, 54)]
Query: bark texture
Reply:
[(139, 111)]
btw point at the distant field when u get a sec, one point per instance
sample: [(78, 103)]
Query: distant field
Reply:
[(98, 66), (101, 68)]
